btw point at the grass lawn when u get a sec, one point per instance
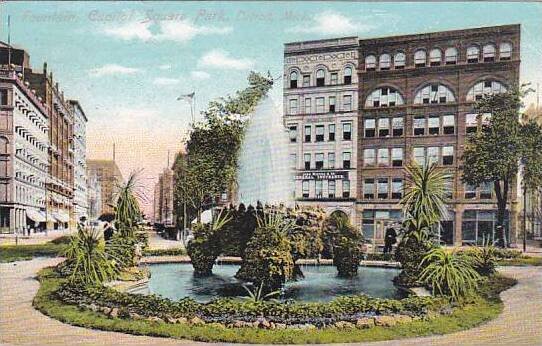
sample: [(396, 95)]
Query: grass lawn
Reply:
[(11, 253), (521, 261), (467, 317)]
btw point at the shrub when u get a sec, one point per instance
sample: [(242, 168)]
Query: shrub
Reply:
[(449, 273), (410, 253), (348, 248), (483, 259)]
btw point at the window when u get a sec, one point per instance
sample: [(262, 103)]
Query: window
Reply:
[(486, 190), (397, 188), (347, 131), (346, 188), (397, 157), (305, 189), (306, 80), (319, 133), (419, 155), (384, 97), (471, 123), (451, 56), (3, 97), (331, 134), (331, 188), (434, 93), (420, 58), (368, 157), (398, 126), (478, 226), (332, 104), (369, 189), (370, 63), (347, 102), (334, 78), (383, 127), (435, 57), (383, 157), (419, 126), (318, 184), (480, 89), (505, 51), (308, 133), (348, 75), (432, 155), (384, 62), (448, 124), (320, 78), (293, 160), (346, 159), (473, 54), (470, 191), (293, 106), (319, 160), (293, 80), (320, 104), (331, 160), (447, 156), (433, 125), (308, 106), (399, 61), (489, 53), (307, 160), (370, 127), (382, 188), (293, 134)]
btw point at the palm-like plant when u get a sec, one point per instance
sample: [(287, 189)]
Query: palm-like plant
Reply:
[(127, 209), (449, 273), (257, 294)]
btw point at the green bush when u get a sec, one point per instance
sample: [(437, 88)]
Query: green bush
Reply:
[(348, 248), (449, 273), (410, 253), (165, 252), (483, 259)]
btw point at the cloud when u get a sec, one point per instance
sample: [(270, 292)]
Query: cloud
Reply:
[(111, 69), (165, 81), (165, 67), (199, 75), (331, 23), (221, 59), (176, 31)]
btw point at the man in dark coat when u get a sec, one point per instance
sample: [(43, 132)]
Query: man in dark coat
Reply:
[(390, 238), (108, 231)]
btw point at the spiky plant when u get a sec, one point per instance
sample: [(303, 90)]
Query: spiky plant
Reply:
[(127, 210), (257, 294)]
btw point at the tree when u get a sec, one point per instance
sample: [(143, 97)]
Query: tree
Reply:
[(493, 155), (347, 248)]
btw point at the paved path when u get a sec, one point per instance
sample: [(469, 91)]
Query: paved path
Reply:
[(36, 238), (519, 325), (157, 242)]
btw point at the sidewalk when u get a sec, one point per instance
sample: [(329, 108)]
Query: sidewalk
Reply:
[(36, 238)]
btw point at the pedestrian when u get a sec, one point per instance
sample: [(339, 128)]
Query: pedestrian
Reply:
[(390, 238), (108, 231)]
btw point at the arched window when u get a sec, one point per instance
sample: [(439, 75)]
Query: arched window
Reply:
[(480, 89), (384, 97), (399, 61), (320, 78), (4, 146), (293, 79), (505, 51), (384, 62), (473, 54), (451, 56), (348, 75), (435, 57), (370, 63), (420, 58), (434, 93), (489, 52)]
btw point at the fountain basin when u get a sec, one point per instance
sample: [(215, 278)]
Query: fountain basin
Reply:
[(176, 281)]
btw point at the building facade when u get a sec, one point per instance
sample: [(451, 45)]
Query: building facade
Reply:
[(109, 177), (321, 114), (24, 129), (416, 96), (94, 195), (163, 199), (80, 193)]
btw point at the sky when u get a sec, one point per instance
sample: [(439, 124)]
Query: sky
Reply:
[(127, 62)]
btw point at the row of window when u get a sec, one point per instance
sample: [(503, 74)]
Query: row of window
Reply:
[(383, 188), (435, 93), (319, 105), (328, 192), (394, 157), (437, 58), (321, 78), (319, 162), (319, 132)]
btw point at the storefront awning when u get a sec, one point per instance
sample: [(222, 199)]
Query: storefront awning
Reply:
[(35, 215), (61, 217)]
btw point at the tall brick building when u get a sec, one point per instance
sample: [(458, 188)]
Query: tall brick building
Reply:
[(416, 97), (109, 177)]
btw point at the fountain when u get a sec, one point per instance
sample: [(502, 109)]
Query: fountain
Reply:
[(264, 172)]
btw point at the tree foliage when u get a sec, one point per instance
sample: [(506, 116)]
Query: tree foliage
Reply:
[(347, 249)]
